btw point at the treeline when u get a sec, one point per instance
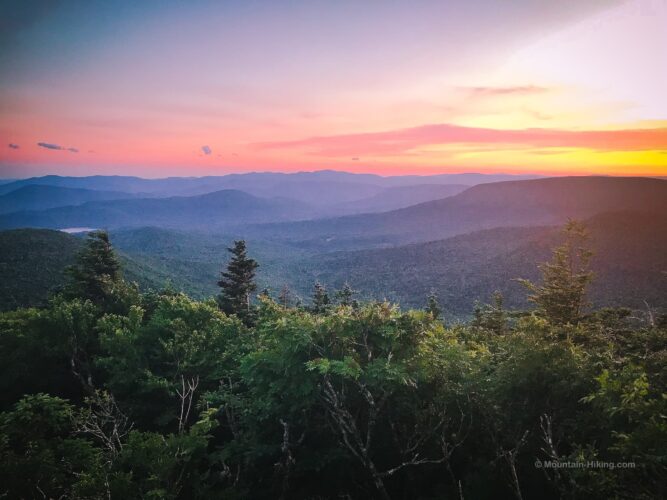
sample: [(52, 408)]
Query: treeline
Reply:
[(110, 393)]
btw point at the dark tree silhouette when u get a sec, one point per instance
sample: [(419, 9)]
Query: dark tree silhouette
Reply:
[(238, 282), (321, 300)]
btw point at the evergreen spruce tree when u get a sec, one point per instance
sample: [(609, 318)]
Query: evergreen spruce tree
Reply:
[(345, 296), (561, 296), (432, 305), (238, 283), (96, 271), (321, 300), (493, 316)]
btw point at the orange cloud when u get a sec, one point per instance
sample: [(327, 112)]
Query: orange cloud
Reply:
[(401, 141)]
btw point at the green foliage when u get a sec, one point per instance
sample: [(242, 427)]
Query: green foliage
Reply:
[(161, 396), (561, 296), (96, 271), (40, 455), (238, 283), (320, 300), (32, 265), (345, 296), (491, 317)]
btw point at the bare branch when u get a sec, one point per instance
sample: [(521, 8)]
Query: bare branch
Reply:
[(186, 394)]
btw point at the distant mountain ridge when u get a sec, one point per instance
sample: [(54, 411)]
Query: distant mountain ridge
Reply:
[(39, 197), (329, 192), (393, 198), (513, 203), (199, 185), (211, 210)]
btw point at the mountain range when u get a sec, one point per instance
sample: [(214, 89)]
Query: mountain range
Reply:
[(304, 186), (513, 203), (39, 197), (463, 242)]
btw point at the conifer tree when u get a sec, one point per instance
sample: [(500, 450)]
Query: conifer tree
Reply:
[(96, 271), (432, 305), (238, 282), (345, 295), (561, 296), (320, 299), (493, 316)]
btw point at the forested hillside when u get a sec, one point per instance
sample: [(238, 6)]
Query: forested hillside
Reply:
[(110, 393), (629, 263), (33, 264), (513, 203)]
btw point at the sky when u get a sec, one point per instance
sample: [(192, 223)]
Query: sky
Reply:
[(161, 88)]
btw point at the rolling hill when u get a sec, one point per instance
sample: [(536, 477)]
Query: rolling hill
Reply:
[(319, 187), (33, 262), (393, 198), (212, 210), (630, 265), (513, 203), (38, 197)]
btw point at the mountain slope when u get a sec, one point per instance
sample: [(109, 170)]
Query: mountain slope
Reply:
[(38, 197), (393, 198), (513, 203), (194, 259), (217, 209), (33, 262), (630, 265)]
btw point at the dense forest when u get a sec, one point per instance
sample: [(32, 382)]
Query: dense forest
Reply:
[(109, 392), (628, 263)]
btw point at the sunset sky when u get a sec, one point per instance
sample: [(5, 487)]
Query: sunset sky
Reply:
[(160, 88)]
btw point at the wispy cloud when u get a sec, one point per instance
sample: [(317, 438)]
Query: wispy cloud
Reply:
[(13, 146), (48, 145), (400, 141), (206, 150), (504, 91), (56, 147)]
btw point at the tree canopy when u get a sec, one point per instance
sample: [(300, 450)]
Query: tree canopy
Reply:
[(109, 393)]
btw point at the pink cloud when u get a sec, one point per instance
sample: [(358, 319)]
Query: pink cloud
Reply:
[(400, 141)]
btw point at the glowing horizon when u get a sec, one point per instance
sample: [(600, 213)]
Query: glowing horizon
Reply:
[(158, 89)]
